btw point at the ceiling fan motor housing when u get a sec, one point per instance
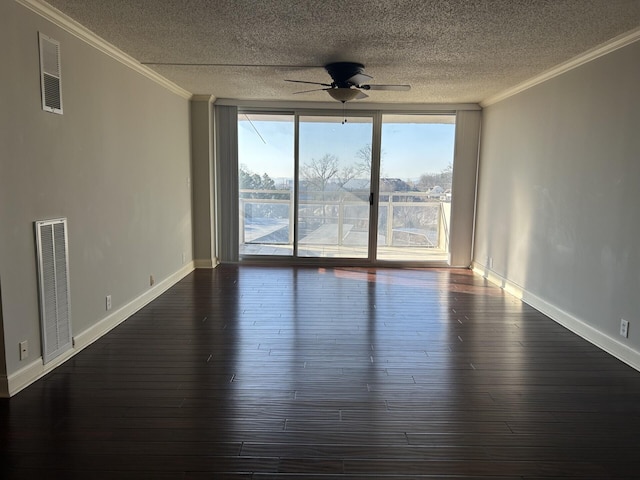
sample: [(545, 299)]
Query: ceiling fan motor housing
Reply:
[(342, 73)]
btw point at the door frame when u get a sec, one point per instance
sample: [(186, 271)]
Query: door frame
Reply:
[(466, 153)]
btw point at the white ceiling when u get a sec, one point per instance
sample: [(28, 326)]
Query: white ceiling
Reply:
[(449, 51)]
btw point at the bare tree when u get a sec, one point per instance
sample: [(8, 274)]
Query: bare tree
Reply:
[(347, 174), (442, 179), (319, 172), (364, 155)]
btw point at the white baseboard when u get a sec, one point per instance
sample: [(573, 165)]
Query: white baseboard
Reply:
[(93, 333), (601, 340), (28, 374), (37, 369)]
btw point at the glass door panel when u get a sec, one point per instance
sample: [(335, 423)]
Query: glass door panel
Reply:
[(334, 186), (416, 168), (265, 183)]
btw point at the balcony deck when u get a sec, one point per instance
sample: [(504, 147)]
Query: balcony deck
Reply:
[(323, 242)]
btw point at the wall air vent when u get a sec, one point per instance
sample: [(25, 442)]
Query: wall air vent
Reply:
[(53, 283), (50, 74)]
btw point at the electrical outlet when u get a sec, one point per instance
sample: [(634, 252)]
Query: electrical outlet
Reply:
[(24, 350), (108, 302), (624, 328), (184, 257), (151, 280)]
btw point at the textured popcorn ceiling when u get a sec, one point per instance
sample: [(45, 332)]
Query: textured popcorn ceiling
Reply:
[(447, 50)]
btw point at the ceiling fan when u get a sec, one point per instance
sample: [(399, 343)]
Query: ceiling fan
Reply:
[(349, 81)]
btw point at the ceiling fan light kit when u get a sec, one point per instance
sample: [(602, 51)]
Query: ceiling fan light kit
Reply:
[(343, 94), (349, 82)]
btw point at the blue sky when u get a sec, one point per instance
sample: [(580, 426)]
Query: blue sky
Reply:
[(408, 149)]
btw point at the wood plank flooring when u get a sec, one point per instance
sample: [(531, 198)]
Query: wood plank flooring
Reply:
[(338, 373)]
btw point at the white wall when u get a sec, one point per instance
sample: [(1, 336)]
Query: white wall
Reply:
[(559, 197), (116, 164)]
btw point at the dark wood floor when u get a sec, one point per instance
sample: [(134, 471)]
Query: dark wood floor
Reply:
[(303, 373)]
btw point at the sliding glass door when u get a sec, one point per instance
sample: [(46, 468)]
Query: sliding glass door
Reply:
[(416, 165), (334, 186), (305, 186), (265, 183)]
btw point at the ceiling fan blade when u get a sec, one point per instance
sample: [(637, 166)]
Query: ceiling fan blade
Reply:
[(361, 95), (395, 88), (359, 78), (310, 83), (314, 90)]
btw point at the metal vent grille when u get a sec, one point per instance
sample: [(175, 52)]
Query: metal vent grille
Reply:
[(53, 280), (50, 74)]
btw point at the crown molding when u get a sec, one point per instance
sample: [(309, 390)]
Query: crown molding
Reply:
[(203, 98), (586, 57), (66, 23), (349, 106)]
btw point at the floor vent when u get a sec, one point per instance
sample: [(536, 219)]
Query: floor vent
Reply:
[(53, 283), (50, 75)]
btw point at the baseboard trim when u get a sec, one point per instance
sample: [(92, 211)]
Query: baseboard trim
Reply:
[(37, 369), (34, 371), (610, 345), (93, 333)]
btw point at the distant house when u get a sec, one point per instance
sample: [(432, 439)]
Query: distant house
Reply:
[(394, 185)]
